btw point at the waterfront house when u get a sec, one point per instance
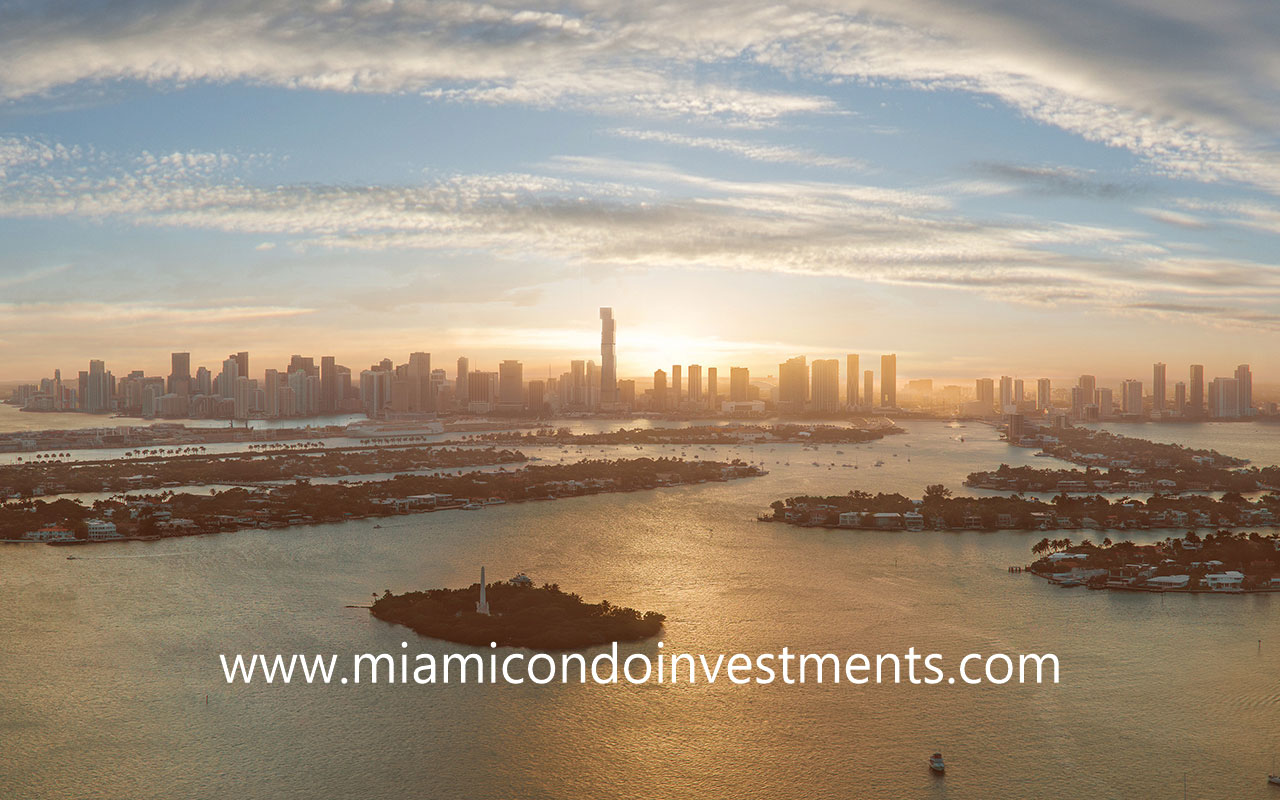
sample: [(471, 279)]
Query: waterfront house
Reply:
[(1004, 521), (1229, 581), (1169, 581), (887, 519), (50, 533), (913, 520), (973, 522), (850, 519), (101, 530)]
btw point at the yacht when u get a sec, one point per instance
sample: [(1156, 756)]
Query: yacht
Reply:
[(935, 763), (471, 506)]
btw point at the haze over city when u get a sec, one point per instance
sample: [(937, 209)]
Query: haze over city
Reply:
[(982, 188)]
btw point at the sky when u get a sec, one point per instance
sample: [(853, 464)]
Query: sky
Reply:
[(984, 187)]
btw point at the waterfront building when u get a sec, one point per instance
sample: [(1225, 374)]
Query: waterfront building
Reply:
[(1180, 398), (851, 380), (739, 381), (868, 387), (1044, 395), (713, 388), (889, 381), (824, 395), (695, 384), (1131, 397), (984, 390), (510, 385), (1158, 387), (179, 373), (1244, 378), (608, 358), (793, 385), (1195, 401)]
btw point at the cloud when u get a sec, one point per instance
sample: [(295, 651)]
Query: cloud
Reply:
[(777, 154), (1055, 180), (608, 213), (1189, 87)]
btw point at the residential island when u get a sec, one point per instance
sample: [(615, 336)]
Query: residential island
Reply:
[(515, 613), (67, 521), (1219, 562)]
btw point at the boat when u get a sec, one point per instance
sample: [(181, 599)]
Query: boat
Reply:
[(376, 527), (935, 763), (1273, 779), (472, 507)]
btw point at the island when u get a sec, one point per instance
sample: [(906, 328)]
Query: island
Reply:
[(68, 521), (519, 615), (1223, 562), (939, 510)]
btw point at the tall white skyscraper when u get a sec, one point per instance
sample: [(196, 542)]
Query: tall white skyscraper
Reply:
[(608, 357)]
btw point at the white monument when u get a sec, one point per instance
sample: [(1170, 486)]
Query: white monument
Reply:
[(482, 605)]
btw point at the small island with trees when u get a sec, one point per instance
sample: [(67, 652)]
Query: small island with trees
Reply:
[(520, 615)]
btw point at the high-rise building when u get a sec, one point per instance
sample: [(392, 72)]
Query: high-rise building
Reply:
[(659, 389), (824, 394), (1195, 400), (889, 381), (793, 385), (1044, 395), (461, 381), (713, 388), (1224, 398), (97, 390), (1088, 385), (227, 378), (1131, 397), (511, 385), (481, 391), (627, 394), (418, 380), (868, 387), (1019, 393), (536, 396), (608, 358), (1244, 377), (1180, 398), (851, 380), (1158, 389), (179, 374), (984, 392), (1006, 394), (677, 386), (242, 362), (695, 384), (739, 381), (329, 399), (1104, 399)]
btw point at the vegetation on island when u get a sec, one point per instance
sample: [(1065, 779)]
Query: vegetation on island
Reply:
[(938, 509), (1089, 446), (540, 618), (301, 502), (184, 470), (1125, 565), (728, 434), (1118, 479)]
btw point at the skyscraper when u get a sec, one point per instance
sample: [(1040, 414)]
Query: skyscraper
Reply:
[(1244, 377), (608, 358), (328, 384), (1044, 395), (851, 380), (889, 381), (242, 360), (1195, 403), (511, 385), (868, 387), (1180, 398), (659, 389), (713, 388), (1006, 394), (1158, 398), (461, 381), (677, 386), (1131, 397), (179, 374), (984, 393), (824, 394), (793, 385), (1224, 398), (695, 384), (739, 380)]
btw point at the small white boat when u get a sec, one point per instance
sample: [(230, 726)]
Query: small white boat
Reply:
[(935, 763), (471, 506), (1273, 779)]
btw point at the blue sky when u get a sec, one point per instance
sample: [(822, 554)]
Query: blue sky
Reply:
[(982, 187)]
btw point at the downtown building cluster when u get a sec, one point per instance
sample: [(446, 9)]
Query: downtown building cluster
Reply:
[(1222, 398)]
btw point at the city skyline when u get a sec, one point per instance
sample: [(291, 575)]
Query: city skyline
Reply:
[(887, 174), (801, 386)]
